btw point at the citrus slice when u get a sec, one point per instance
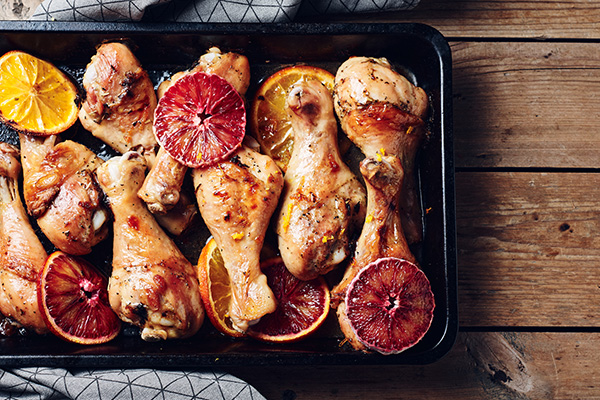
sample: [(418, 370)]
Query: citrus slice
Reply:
[(389, 305), (35, 96), (200, 119), (215, 289), (73, 298), (302, 306), (269, 122)]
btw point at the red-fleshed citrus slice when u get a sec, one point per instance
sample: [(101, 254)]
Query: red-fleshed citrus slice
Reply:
[(302, 306), (35, 96), (268, 118), (215, 289), (200, 120), (389, 305), (73, 298)]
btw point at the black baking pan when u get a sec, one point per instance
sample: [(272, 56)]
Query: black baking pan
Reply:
[(418, 51)]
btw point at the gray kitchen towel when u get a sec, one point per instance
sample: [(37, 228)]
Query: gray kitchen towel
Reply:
[(134, 384), (257, 11)]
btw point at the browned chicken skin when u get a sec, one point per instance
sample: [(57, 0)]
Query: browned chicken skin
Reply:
[(162, 187), (236, 199), (383, 113), (60, 192), (22, 256), (120, 101), (323, 200), (152, 285)]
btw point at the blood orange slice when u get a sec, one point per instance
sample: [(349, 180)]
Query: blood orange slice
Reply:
[(389, 305), (73, 298), (215, 289), (302, 306), (200, 120)]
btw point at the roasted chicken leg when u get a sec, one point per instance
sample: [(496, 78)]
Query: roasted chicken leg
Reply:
[(382, 234), (120, 101), (323, 200), (383, 113), (22, 256), (60, 192), (236, 199), (152, 285)]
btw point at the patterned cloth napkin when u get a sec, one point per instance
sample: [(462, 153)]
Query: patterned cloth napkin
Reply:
[(146, 384), (263, 11)]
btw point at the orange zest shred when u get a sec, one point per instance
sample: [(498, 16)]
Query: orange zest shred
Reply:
[(287, 216)]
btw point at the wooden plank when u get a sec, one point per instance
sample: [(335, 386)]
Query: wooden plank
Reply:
[(482, 365), (529, 249), (540, 19), (526, 104)]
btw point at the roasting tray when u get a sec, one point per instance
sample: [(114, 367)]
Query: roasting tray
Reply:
[(418, 51)]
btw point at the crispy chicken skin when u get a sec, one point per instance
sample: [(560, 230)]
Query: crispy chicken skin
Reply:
[(383, 113), (162, 187), (152, 285), (236, 199), (61, 193), (382, 234), (22, 256), (120, 101), (323, 200)]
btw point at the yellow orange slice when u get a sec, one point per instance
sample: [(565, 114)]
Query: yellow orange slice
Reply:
[(35, 96), (215, 289), (268, 119)]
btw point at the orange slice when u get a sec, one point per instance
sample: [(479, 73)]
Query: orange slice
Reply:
[(200, 119), (35, 96), (268, 119), (302, 306), (73, 297), (389, 305), (215, 289)]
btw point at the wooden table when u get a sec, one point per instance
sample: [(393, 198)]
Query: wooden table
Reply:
[(527, 127)]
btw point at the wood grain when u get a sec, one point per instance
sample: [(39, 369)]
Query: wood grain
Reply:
[(529, 249), (539, 19), (482, 365), (526, 104)]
